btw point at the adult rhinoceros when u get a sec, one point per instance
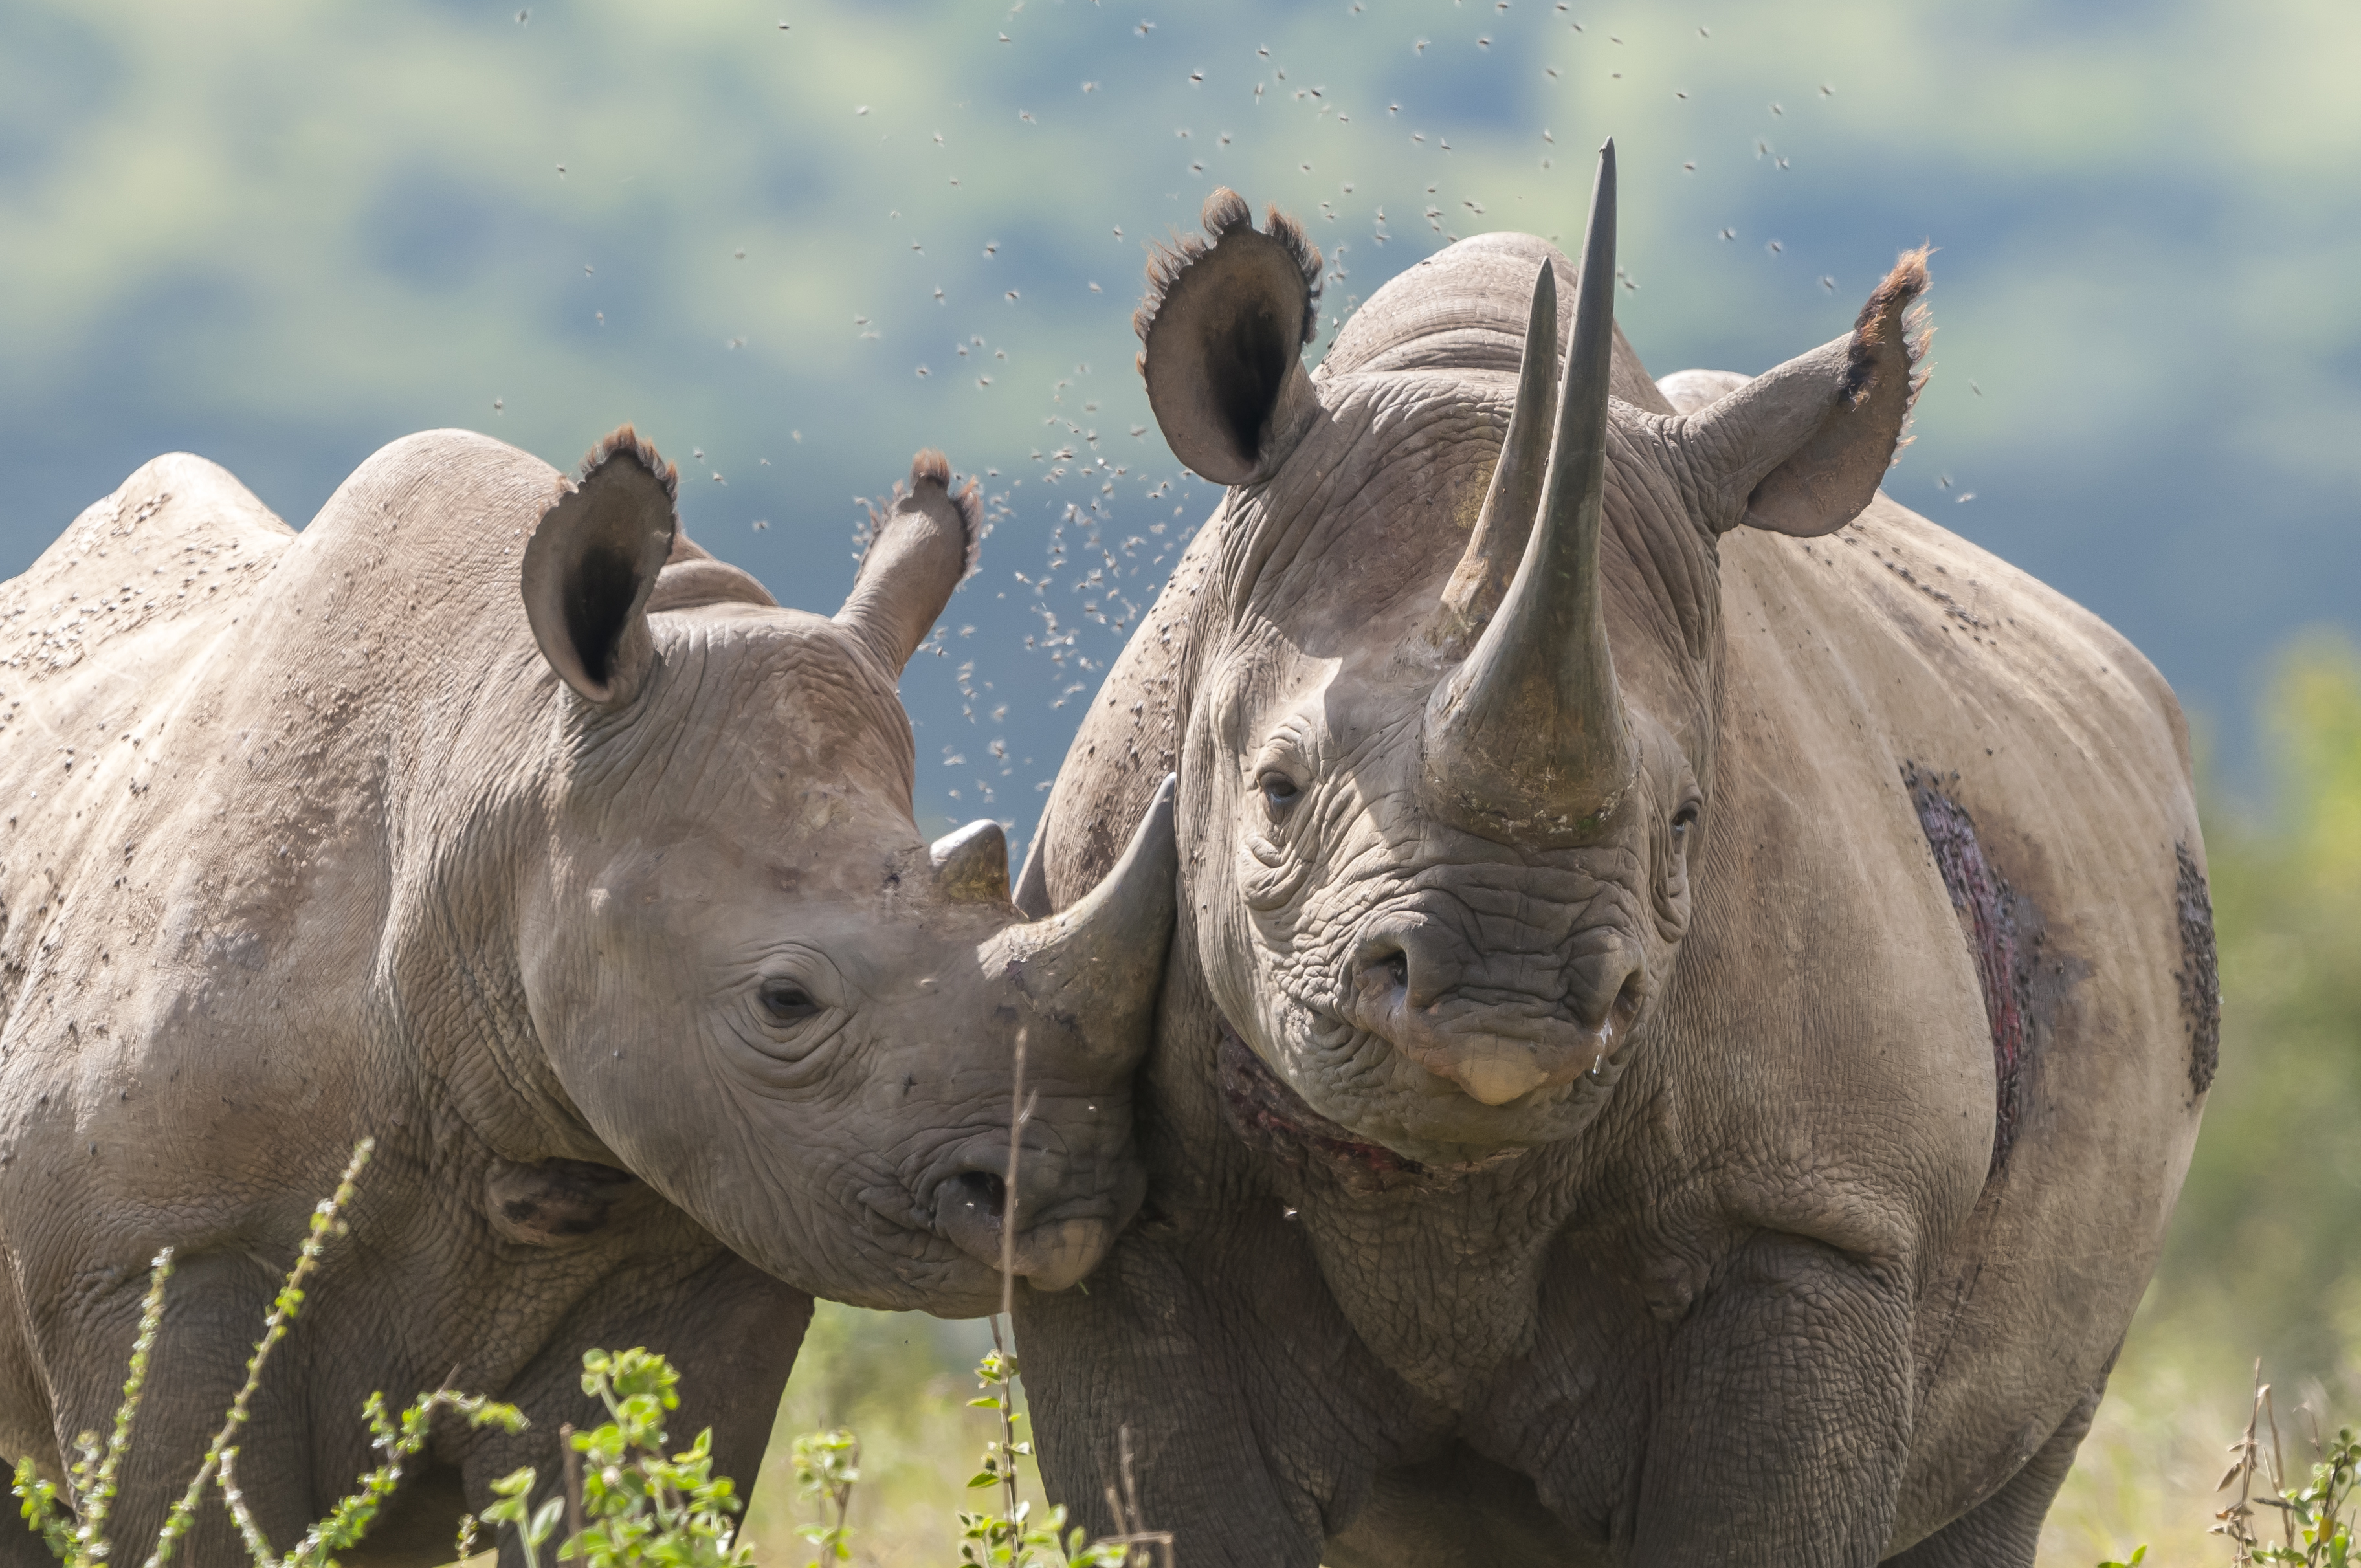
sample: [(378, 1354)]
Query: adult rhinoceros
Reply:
[(600, 905), (1693, 991)]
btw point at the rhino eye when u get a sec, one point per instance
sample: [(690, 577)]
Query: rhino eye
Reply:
[(787, 1002), (1279, 792)]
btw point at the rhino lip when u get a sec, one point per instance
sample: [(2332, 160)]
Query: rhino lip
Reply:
[(1055, 1248)]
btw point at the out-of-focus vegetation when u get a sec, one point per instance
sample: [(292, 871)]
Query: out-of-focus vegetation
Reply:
[(902, 1381), (2263, 1261)]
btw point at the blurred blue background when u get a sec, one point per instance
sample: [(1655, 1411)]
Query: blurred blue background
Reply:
[(797, 241)]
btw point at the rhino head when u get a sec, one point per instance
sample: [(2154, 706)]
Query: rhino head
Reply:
[(757, 985), (1448, 756)]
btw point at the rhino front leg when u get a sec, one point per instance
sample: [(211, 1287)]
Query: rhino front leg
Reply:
[(730, 1330), (1784, 1415), (212, 1316), (1146, 1349)]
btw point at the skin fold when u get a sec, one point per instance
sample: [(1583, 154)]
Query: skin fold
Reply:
[(491, 818), (1756, 1157)]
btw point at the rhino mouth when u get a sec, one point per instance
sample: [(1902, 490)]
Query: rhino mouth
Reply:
[(1053, 1250), (1427, 1099), (942, 1239), (1498, 1054)]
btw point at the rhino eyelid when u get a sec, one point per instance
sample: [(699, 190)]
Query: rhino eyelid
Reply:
[(787, 1002)]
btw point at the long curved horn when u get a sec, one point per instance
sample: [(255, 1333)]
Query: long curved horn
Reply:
[(1102, 960), (1481, 579), (1527, 742)]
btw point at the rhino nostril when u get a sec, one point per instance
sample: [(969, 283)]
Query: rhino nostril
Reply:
[(984, 1190), (1385, 974), (1627, 1000), (1604, 986)]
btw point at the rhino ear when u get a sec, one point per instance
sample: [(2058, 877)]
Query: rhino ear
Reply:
[(920, 548), (1801, 448), (1224, 327), (592, 562)]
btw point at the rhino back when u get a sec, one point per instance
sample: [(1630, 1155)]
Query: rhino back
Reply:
[(213, 795), (125, 606), (2006, 760)]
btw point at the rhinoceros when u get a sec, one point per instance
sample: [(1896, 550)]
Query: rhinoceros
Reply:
[(490, 817), (1694, 990)]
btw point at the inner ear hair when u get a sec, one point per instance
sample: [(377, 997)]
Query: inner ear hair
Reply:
[(1835, 473), (1801, 448), (1223, 330), (592, 562)]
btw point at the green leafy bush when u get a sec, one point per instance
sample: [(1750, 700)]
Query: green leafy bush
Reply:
[(627, 1499)]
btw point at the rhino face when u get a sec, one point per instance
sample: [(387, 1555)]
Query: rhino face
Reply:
[(764, 993), (1436, 989), (1442, 803)]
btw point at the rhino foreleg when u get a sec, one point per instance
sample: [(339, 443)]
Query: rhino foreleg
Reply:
[(1144, 1349), (216, 1303), (1784, 1415)]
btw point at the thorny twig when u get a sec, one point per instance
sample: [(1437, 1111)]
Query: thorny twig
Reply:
[(1020, 1113), (325, 1222)]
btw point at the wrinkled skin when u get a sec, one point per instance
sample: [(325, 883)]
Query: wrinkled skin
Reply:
[(1654, 1194), (664, 1017)]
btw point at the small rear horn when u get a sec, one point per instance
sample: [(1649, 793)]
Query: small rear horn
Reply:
[(971, 863)]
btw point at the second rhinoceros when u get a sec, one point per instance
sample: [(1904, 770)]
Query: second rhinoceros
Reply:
[(490, 817), (1693, 989)]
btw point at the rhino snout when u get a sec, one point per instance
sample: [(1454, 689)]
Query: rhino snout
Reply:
[(1413, 983), (1066, 1224)]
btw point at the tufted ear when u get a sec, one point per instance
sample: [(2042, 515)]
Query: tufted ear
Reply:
[(592, 562), (1224, 328), (920, 548), (1801, 448)]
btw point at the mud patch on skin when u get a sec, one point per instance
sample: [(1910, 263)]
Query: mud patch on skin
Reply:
[(1274, 1120), (2201, 981), (2023, 984)]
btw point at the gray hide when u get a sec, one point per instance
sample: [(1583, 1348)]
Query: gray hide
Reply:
[(1692, 999), (588, 885)]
